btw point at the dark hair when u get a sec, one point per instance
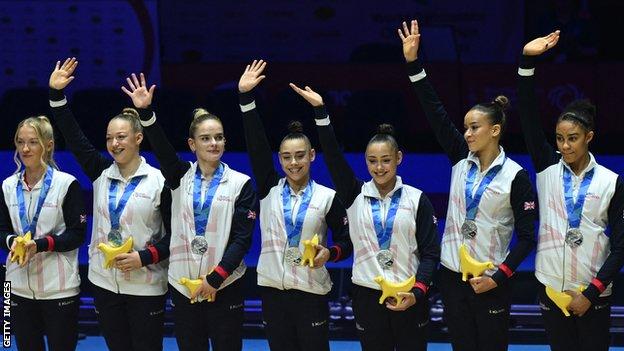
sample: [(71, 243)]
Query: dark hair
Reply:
[(581, 112), (295, 131), (200, 115), (495, 110), (131, 116), (385, 134)]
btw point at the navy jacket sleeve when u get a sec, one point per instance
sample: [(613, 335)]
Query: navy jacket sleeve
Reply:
[(612, 265), (542, 153), (159, 250), (348, 186), (91, 161), (336, 219), (428, 246), (525, 214), (451, 140), (172, 166), (245, 211), (6, 227), (258, 146), (75, 217)]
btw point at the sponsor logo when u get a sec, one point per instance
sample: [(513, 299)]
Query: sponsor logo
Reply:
[(318, 324), (224, 198), (141, 195), (496, 311)]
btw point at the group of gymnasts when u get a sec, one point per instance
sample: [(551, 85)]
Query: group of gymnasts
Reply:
[(188, 226)]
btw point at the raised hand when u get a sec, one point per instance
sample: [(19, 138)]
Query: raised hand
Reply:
[(540, 45), (139, 93), (310, 95), (252, 76), (62, 74), (411, 40)]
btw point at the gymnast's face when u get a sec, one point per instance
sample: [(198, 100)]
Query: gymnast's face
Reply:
[(29, 147), (122, 142), (382, 160), (480, 132), (572, 141), (296, 156), (208, 143)]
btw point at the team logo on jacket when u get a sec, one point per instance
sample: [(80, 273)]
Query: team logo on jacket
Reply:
[(529, 205), (251, 215)]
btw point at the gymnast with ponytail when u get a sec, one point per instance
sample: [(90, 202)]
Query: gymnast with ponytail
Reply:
[(42, 224), (213, 212), (394, 235), (490, 196), (131, 209), (293, 210), (580, 250)]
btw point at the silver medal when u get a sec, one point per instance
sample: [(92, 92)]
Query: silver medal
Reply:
[(385, 259), (574, 237), (469, 229), (114, 237), (199, 246), (293, 256)]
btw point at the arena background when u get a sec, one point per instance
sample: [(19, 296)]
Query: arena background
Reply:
[(348, 50)]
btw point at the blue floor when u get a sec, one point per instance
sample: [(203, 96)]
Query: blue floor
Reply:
[(97, 343)]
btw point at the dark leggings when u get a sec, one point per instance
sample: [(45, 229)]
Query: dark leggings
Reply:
[(219, 322), (587, 333), (476, 322), (130, 322), (381, 329), (56, 319), (295, 320)]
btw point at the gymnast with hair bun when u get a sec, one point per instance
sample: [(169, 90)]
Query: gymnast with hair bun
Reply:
[(295, 215), (394, 235), (490, 196), (131, 213), (213, 212), (577, 256)]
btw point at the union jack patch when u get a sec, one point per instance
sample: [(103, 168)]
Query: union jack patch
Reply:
[(529, 205), (345, 220), (83, 218), (251, 215)]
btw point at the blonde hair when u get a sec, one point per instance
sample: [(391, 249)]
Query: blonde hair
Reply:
[(131, 116), (45, 134), (200, 115)]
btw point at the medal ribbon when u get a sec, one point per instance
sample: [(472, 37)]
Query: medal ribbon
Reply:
[(472, 202), (384, 231), (293, 230), (32, 226), (201, 211), (116, 211), (575, 208)]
